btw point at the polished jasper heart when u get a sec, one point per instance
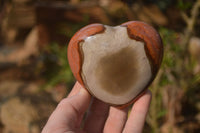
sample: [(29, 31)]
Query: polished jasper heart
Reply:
[(115, 64)]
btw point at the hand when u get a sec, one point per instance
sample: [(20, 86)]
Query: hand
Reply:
[(68, 116)]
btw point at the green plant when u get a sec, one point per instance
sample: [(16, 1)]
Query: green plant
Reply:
[(166, 77), (56, 67)]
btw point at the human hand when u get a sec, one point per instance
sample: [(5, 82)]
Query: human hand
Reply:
[(68, 116)]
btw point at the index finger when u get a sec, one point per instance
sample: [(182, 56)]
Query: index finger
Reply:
[(75, 90), (69, 111)]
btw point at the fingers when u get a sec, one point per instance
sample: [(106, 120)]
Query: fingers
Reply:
[(69, 111), (138, 114), (96, 117), (75, 90), (78, 99), (79, 102), (116, 120)]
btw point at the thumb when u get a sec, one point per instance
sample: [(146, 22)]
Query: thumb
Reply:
[(69, 111)]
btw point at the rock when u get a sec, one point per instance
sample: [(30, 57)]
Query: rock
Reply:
[(30, 48), (18, 18), (31, 88), (22, 16), (24, 108), (9, 89), (17, 116)]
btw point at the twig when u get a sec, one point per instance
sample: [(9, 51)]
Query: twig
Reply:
[(190, 21)]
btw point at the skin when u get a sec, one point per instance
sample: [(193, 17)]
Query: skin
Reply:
[(68, 116)]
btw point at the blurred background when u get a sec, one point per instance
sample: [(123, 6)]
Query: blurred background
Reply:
[(35, 75)]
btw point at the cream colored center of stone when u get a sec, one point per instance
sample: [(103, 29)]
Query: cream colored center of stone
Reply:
[(115, 68)]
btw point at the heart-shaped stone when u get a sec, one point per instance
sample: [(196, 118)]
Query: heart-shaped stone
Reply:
[(116, 64)]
